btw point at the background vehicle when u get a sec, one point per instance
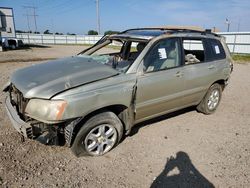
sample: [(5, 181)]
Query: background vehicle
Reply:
[(96, 97)]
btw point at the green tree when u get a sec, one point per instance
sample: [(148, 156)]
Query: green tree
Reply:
[(92, 32), (46, 32), (110, 32)]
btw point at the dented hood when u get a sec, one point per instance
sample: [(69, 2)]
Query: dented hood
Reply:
[(47, 79)]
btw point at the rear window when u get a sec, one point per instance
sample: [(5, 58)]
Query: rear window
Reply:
[(216, 51)]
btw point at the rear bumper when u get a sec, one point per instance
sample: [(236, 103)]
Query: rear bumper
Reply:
[(22, 127)]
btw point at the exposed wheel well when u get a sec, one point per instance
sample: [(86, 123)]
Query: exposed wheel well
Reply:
[(221, 82), (116, 109), (79, 122)]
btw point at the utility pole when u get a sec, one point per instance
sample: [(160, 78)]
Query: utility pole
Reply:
[(98, 17), (228, 24), (239, 25), (33, 14), (28, 21)]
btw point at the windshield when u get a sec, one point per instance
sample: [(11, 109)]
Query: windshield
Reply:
[(116, 53)]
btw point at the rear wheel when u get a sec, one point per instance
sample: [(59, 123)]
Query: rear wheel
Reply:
[(211, 100), (98, 135)]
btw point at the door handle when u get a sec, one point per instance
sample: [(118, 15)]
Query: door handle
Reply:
[(211, 67), (179, 74)]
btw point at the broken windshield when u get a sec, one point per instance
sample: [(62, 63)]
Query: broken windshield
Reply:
[(117, 53)]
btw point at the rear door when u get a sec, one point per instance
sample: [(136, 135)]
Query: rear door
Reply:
[(201, 67)]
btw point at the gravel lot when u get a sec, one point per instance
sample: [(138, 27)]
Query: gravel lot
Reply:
[(185, 149)]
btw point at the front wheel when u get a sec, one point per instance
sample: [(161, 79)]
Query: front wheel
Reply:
[(98, 135), (13, 46), (211, 101)]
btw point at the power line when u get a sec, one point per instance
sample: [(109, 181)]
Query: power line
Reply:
[(56, 6), (33, 14), (28, 21)]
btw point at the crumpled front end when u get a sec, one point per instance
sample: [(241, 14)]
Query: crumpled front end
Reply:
[(30, 128)]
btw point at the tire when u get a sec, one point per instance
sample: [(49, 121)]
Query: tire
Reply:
[(211, 101), (98, 135), (13, 47)]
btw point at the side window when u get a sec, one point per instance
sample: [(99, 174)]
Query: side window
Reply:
[(165, 54), (216, 50), (194, 51)]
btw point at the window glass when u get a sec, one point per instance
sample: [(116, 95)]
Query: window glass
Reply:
[(217, 49), (165, 54), (194, 51)]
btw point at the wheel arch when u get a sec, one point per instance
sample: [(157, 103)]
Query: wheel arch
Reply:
[(74, 126), (221, 82)]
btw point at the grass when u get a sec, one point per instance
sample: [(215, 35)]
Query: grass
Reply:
[(241, 58)]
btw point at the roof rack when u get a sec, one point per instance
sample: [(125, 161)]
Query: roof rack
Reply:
[(189, 29)]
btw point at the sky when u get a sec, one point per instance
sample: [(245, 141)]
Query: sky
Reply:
[(79, 16)]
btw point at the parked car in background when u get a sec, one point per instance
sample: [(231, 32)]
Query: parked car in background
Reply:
[(93, 99), (11, 43)]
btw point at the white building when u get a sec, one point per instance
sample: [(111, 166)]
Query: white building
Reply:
[(7, 30), (7, 24)]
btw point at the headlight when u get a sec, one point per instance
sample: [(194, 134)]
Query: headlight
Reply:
[(46, 109)]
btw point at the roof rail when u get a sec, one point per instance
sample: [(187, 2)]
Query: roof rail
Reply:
[(190, 29)]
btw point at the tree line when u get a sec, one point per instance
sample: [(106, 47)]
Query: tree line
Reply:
[(90, 32)]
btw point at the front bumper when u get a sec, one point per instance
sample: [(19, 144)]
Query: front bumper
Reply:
[(46, 135), (22, 127)]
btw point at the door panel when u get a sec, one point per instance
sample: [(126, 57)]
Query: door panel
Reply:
[(161, 86), (197, 79), (199, 76), (159, 92)]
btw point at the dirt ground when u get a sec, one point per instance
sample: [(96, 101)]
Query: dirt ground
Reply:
[(39, 53), (185, 149)]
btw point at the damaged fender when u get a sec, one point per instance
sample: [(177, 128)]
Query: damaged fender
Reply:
[(83, 101)]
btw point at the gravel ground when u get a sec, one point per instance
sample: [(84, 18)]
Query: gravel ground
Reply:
[(185, 149), (39, 53)]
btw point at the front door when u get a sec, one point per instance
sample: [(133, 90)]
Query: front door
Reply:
[(160, 88)]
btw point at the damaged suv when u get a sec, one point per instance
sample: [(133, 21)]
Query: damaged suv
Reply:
[(89, 101)]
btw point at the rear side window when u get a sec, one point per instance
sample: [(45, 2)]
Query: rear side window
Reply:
[(216, 51), (194, 51)]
